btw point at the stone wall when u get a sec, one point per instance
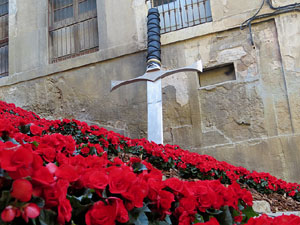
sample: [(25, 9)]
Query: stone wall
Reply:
[(251, 121)]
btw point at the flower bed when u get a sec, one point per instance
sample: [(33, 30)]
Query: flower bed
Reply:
[(66, 172)]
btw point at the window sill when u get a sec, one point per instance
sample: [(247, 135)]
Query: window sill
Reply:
[(72, 63)]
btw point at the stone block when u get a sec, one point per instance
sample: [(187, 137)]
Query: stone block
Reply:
[(261, 206)]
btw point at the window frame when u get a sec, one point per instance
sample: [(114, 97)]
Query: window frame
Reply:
[(4, 42), (74, 21), (180, 14)]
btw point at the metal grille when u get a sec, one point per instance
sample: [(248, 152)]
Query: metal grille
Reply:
[(3, 38), (73, 28), (179, 14)]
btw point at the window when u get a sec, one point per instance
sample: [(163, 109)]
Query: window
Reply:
[(179, 14), (217, 75), (3, 38), (161, 2), (73, 28)]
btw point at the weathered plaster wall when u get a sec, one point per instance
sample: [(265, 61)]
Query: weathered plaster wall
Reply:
[(253, 121), (85, 94)]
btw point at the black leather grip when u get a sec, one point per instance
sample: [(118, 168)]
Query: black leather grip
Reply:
[(153, 31)]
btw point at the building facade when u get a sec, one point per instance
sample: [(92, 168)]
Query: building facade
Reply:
[(57, 58)]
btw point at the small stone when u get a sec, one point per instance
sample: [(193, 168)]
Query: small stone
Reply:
[(261, 206)]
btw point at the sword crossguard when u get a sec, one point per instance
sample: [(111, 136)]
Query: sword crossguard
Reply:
[(155, 75)]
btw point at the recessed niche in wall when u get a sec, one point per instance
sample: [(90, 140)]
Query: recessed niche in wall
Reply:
[(217, 75)]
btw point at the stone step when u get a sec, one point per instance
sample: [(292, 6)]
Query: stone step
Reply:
[(263, 207), (297, 213)]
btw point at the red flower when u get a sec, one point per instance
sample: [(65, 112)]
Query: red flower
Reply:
[(121, 212), (101, 214), (31, 210), (135, 195), (64, 210), (135, 160), (154, 187), (67, 172), (262, 220), (85, 150), (5, 127), (64, 206), (43, 176), (212, 221), (188, 204), (95, 179), (165, 199), (8, 214), (52, 168), (185, 218), (12, 159), (175, 184), (36, 130), (22, 190), (206, 197), (48, 152), (120, 179)]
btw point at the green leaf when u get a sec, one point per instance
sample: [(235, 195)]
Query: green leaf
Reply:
[(4, 174), (198, 219), (93, 151), (138, 167), (78, 208), (225, 218), (142, 219), (235, 213), (33, 221), (167, 219), (138, 216), (36, 144), (248, 213), (48, 217), (214, 211), (4, 200), (25, 129), (38, 201)]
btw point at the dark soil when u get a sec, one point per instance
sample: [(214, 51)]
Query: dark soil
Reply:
[(278, 203)]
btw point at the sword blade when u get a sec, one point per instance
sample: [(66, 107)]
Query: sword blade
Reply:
[(154, 107)]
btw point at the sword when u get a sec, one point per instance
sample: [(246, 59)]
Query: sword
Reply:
[(153, 75)]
